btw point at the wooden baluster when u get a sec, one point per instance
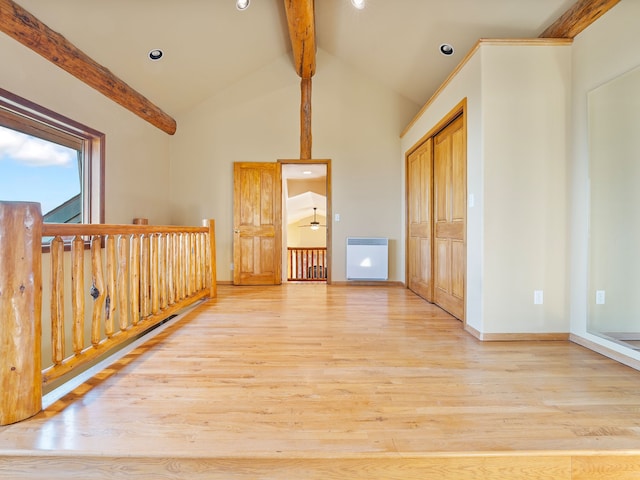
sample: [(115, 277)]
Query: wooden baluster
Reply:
[(134, 284), (20, 310), (193, 283), (204, 265), (57, 300), (197, 238), (153, 255), (316, 264), (98, 291), (303, 267), (197, 245), (77, 293), (162, 271), (303, 260), (110, 306), (202, 261), (311, 264), (144, 277), (122, 284), (182, 256), (197, 265), (180, 266), (176, 266), (192, 264), (170, 270), (294, 266), (323, 255), (314, 267)]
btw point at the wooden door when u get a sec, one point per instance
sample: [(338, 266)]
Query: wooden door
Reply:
[(449, 190), (419, 214), (257, 218)]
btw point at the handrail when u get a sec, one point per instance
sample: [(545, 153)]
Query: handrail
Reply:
[(87, 229), (139, 275)]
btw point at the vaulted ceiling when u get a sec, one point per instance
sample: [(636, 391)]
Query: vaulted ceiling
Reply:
[(209, 44)]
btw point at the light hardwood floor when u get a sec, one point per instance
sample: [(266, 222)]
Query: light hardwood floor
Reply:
[(336, 382)]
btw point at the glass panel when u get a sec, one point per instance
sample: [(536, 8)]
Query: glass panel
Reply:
[(614, 236), (37, 170)]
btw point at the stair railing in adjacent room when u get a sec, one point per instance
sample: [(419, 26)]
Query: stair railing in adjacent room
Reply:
[(307, 264)]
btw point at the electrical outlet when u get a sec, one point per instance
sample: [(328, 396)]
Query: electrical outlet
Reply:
[(537, 297), (599, 297)]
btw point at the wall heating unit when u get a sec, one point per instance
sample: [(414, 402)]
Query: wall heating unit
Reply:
[(367, 258)]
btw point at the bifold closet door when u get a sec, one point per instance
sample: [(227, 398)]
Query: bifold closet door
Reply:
[(419, 253), (449, 191)]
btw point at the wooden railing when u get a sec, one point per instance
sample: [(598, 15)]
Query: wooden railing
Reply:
[(123, 280), (307, 264)]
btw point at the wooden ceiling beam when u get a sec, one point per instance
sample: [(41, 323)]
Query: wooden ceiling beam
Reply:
[(302, 32), (22, 26), (582, 14)]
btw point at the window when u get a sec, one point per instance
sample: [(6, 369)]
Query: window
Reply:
[(52, 160)]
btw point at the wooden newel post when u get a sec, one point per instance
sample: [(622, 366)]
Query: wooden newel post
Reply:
[(212, 274), (20, 311)]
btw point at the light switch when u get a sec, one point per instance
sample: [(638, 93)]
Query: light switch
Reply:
[(337, 217), (538, 297)]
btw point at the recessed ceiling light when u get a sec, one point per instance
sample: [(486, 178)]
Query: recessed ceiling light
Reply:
[(155, 54), (242, 4), (307, 172), (446, 49), (359, 4)]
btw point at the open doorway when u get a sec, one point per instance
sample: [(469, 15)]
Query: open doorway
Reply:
[(306, 226)]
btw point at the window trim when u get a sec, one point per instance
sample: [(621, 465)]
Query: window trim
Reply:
[(23, 115)]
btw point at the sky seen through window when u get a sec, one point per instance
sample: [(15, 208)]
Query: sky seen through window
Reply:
[(36, 170)]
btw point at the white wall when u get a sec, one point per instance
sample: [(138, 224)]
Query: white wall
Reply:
[(517, 102), (356, 124), (525, 95), (137, 156), (605, 50)]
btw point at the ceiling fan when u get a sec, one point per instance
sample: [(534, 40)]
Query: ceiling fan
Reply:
[(315, 224)]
